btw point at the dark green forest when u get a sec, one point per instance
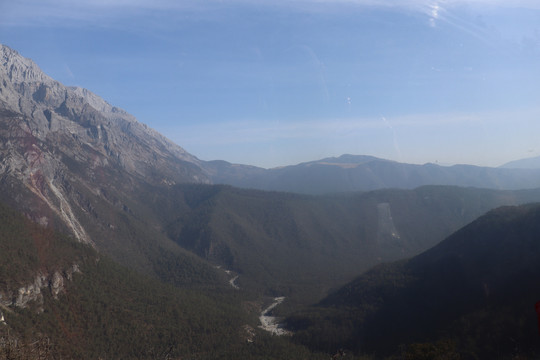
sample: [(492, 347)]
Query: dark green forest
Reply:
[(470, 297), (110, 312)]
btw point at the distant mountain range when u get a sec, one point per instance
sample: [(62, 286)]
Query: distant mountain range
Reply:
[(71, 160), (528, 163), (363, 173), (144, 218), (86, 130)]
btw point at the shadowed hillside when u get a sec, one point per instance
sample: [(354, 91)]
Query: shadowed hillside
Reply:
[(476, 291)]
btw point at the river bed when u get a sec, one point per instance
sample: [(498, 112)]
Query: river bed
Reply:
[(270, 323)]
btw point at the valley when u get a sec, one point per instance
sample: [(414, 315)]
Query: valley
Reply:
[(117, 243), (472, 293)]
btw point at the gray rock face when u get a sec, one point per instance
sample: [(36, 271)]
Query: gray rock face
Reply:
[(52, 107), (33, 292), (62, 142), (56, 284)]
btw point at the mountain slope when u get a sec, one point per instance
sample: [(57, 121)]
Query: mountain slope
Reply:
[(529, 163), (477, 288), (301, 246), (71, 160), (55, 137), (60, 299), (364, 173), (52, 111)]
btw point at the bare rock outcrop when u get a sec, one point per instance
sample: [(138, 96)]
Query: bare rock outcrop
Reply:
[(55, 283)]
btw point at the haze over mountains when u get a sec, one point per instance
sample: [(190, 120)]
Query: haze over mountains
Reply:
[(474, 293), (61, 114), (364, 173), (142, 207), (529, 163)]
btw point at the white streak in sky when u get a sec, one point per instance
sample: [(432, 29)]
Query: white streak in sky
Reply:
[(69, 72), (438, 14), (394, 137), (434, 14)]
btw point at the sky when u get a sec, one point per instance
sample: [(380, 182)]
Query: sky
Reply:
[(273, 83)]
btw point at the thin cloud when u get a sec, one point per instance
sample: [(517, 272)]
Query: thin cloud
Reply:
[(441, 12), (434, 14), (44, 12), (68, 71)]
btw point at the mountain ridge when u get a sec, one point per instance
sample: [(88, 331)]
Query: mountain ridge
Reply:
[(106, 178), (527, 163), (49, 128), (60, 112), (29, 91), (349, 173), (72, 162)]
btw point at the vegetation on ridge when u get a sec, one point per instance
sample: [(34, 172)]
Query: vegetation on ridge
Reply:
[(302, 246), (475, 291), (108, 311)]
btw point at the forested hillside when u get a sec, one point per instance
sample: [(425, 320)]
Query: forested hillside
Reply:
[(302, 246), (472, 296), (115, 244), (100, 309)]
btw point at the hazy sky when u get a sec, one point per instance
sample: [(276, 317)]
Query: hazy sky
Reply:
[(279, 82)]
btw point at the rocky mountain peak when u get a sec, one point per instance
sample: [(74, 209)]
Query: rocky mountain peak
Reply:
[(19, 69), (62, 141)]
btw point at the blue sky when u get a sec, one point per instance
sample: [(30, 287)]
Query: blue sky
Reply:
[(272, 83)]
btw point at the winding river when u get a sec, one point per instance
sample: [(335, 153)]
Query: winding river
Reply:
[(270, 323)]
